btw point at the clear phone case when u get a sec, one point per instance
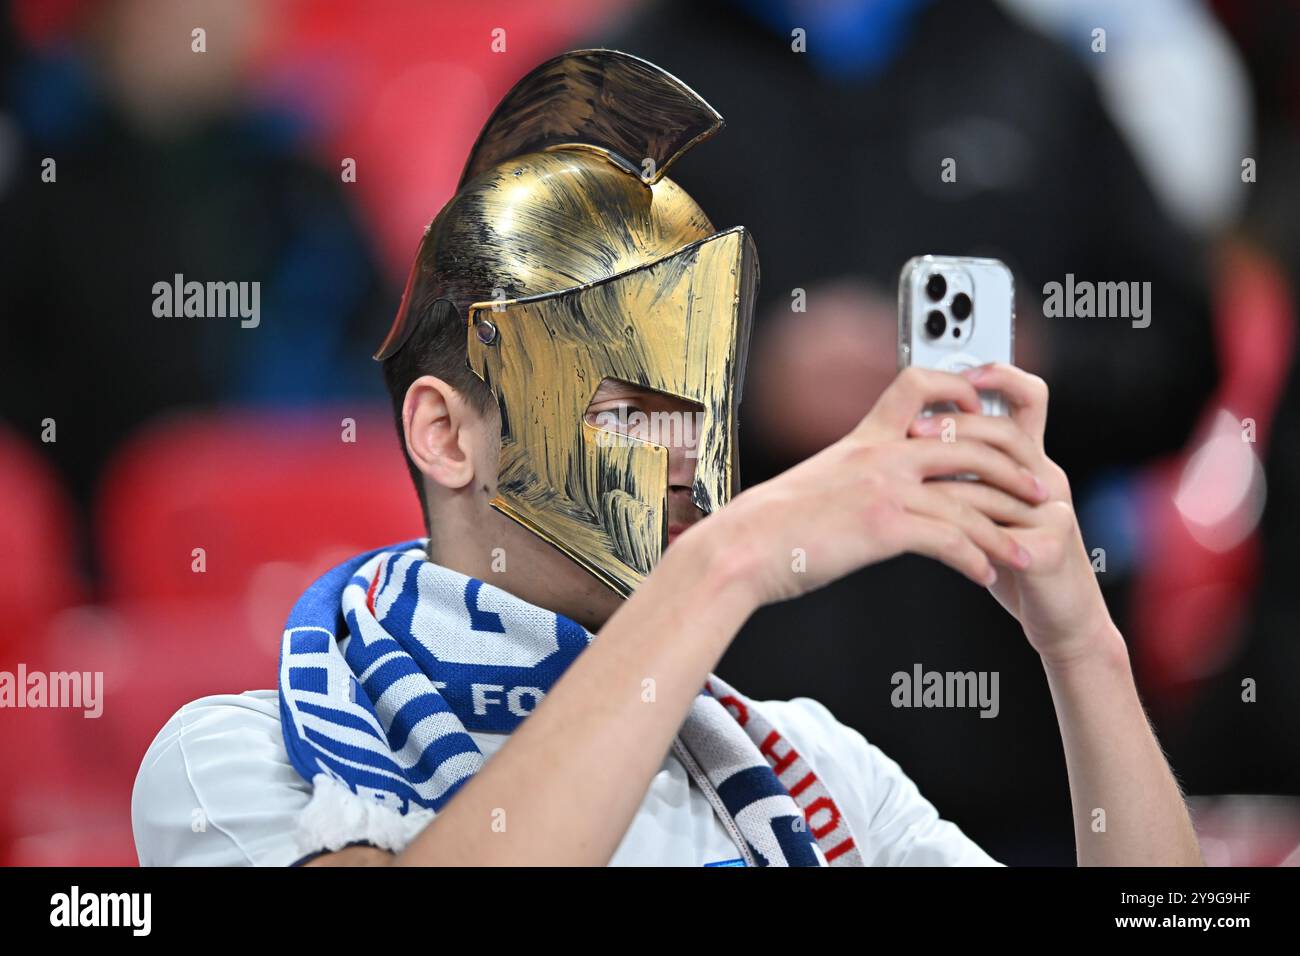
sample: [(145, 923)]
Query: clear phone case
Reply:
[(973, 300)]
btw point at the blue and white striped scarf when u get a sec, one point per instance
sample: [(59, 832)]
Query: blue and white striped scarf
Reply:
[(389, 660)]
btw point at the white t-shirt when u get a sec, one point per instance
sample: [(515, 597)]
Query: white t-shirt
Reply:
[(216, 788)]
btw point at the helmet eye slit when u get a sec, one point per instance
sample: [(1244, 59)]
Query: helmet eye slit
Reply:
[(644, 414)]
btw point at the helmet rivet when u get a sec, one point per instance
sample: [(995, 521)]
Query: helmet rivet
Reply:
[(486, 331)]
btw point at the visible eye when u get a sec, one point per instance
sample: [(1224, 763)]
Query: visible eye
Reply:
[(626, 417)]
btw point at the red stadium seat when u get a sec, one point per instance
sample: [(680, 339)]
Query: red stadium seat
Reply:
[(273, 501), (69, 800), (213, 506), (36, 537)]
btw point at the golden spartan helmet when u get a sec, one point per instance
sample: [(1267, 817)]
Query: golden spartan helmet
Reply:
[(572, 259)]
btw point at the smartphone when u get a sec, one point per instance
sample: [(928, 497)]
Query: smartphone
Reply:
[(956, 313)]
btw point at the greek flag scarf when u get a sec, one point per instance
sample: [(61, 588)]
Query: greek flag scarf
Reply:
[(388, 661)]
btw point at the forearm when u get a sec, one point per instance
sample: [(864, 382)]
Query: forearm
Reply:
[(1116, 765), (565, 787)]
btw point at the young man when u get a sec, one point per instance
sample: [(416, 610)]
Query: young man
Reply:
[(566, 304)]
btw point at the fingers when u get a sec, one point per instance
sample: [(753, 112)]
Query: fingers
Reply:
[(993, 503), (946, 543), (1026, 394), (936, 459), (997, 544), (911, 391), (1002, 433)]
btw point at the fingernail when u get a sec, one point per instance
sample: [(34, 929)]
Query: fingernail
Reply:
[(991, 578), (1039, 488), (1022, 556), (924, 423)]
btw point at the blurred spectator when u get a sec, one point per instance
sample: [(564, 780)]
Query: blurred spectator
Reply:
[(833, 159), (1177, 89), (165, 166), (1230, 744)]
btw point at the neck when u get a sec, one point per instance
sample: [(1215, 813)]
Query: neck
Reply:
[(506, 556)]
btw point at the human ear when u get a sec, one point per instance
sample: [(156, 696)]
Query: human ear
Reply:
[(440, 430)]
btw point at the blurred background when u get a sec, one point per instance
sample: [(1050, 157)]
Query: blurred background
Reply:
[(1169, 156)]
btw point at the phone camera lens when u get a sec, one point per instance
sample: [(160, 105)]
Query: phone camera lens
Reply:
[(961, 306), (935, 323), (935, 287)]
